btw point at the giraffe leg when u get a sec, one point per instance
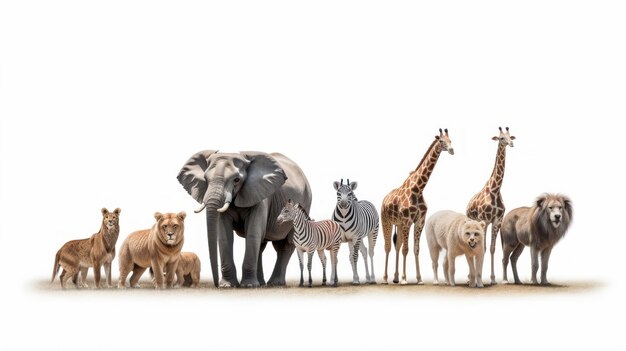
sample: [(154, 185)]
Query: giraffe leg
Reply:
[(399, 243), (387, 237), (495, 227), (417, 233), (405, 252)]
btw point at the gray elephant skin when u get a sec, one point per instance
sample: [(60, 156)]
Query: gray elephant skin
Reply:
[(245, 192)]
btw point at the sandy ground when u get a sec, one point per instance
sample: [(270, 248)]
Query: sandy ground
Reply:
[(344, 288)]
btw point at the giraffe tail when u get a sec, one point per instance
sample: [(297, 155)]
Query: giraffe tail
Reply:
[(395, 236)]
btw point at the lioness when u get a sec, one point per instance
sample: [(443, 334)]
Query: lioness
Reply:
[(158, 247), (458, 235), (99, 250)]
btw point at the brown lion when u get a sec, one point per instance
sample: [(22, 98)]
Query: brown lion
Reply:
[(99, 250), (158, 248), (540, 227), (188, 271)]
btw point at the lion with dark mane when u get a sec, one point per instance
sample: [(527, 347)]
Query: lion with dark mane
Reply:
[(540, 227)]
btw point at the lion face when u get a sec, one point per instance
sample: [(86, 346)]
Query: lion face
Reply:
[(111, 219), (554, 207), (473, 233), (170, 227)]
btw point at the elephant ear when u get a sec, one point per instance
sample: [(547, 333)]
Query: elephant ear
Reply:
[(264, 178), (191, 176)]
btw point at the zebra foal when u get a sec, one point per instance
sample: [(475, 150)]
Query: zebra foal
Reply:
[(310, 236)]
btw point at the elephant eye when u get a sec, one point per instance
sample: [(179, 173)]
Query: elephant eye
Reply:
[(237, 180)]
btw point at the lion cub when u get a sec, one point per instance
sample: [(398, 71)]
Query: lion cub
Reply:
[(98, 250), (188, 271), (158, 248), (458, 235)]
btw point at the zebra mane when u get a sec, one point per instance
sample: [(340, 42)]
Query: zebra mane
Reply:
[(306, 214), (426, 153)]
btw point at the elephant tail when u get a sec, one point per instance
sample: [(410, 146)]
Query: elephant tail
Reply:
[(395, 237)]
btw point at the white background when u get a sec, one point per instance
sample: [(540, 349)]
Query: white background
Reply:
[(102, 103)]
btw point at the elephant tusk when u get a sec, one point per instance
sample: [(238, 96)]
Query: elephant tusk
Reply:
[(201, 208), (224, 208)]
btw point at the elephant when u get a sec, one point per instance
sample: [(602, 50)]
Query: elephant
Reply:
[(245, 192)]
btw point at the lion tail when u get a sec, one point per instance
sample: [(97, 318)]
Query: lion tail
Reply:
[(55, 269)]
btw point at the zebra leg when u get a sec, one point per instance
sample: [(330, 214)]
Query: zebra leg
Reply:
[(371, 244), (300, 254), (333, 262), (353, 253), (309, 265), (323, 260), (363, 250)]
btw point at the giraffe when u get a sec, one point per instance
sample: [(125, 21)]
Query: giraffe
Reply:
[(487, 205), (405, 206)]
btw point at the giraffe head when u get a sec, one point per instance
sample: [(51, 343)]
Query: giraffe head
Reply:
[(345, 194), (444, 141), (505, 138)]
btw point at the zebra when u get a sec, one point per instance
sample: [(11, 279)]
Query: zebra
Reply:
[(310, 236), (358, 219)]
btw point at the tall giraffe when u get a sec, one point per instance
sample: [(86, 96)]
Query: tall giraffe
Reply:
[(487, 205), (405, 206)]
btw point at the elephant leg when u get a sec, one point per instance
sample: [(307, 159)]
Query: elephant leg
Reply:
[(284, 249), (229, 270), (256, 224), (259, 268)]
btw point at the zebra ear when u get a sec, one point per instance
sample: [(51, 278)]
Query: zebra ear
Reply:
[(353, 185), (336, 185)]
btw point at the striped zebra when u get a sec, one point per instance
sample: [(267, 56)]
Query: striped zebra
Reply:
[(358, 220), (310, 236)]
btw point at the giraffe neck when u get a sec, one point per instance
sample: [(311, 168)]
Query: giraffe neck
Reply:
[(418, 179), (495, 181)]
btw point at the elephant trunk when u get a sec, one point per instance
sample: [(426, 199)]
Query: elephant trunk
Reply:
[(212, 202)]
